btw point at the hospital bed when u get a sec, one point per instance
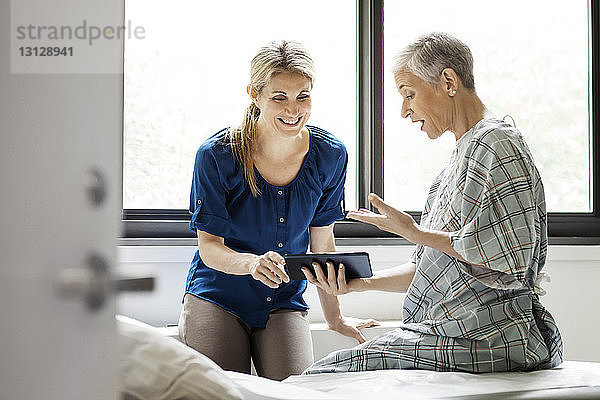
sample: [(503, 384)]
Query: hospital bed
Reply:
[(572, 380), (153, 366)]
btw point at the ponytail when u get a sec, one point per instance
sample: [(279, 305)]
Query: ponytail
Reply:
[(241, 140)]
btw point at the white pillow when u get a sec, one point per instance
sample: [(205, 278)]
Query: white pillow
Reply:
[(153, 367)]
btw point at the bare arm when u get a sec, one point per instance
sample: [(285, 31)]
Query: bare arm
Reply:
[(322, 241), (216, 255), (265, 268), (438, 240), (396, 279), (401, 223)]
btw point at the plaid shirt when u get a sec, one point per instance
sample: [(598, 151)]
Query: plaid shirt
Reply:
[(484, 315)]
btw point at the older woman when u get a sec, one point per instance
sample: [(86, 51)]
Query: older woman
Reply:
[(471, 295)]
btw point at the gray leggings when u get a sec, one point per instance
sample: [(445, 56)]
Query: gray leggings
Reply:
[(281, 349)]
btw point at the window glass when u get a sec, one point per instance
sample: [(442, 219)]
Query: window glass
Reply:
[(187, 79), (532, 62)]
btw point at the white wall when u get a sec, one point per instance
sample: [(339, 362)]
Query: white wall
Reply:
[(572, 297)]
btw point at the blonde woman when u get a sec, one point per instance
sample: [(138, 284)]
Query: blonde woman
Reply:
[(269, 187)]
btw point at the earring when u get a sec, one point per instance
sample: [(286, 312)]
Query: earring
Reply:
[(453, 92)]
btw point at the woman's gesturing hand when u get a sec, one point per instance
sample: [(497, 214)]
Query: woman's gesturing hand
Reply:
[(389, 219), (268, 269)]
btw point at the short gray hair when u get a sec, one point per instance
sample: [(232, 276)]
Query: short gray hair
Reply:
[(430, 54)]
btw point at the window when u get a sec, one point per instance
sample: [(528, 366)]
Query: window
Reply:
[(187, 80), (531, 62)]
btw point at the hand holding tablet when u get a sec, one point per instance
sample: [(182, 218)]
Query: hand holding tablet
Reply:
[(329, 271), (356, 265)]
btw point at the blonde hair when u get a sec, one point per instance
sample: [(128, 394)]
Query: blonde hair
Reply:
[(272, 59)]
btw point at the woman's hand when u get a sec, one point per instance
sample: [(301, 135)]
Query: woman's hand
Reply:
[(268, 269), (349, 326), (332, 284), (389, 219), (337, 285)]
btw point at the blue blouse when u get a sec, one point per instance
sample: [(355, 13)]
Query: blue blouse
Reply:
[(222, 204)]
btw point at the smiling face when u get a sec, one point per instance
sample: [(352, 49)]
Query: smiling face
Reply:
[(285, 103), (429, 106)]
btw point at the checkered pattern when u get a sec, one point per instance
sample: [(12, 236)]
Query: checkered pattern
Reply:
[(484, 315)]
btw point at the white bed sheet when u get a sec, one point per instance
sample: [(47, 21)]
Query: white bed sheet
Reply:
[(415, 384)]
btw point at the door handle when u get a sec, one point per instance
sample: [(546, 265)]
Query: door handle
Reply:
[(93, 283), (123, 284)]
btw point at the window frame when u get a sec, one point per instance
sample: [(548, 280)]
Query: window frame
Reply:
[(563, 228)]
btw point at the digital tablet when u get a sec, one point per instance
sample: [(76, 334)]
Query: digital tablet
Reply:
[(357, 264)]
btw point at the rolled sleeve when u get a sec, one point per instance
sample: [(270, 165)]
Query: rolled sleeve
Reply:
[(329, 208), (208, 196)]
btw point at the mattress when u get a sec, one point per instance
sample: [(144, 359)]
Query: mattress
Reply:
[(571, 380)]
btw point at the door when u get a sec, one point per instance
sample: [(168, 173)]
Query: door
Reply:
[(60, 202)]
